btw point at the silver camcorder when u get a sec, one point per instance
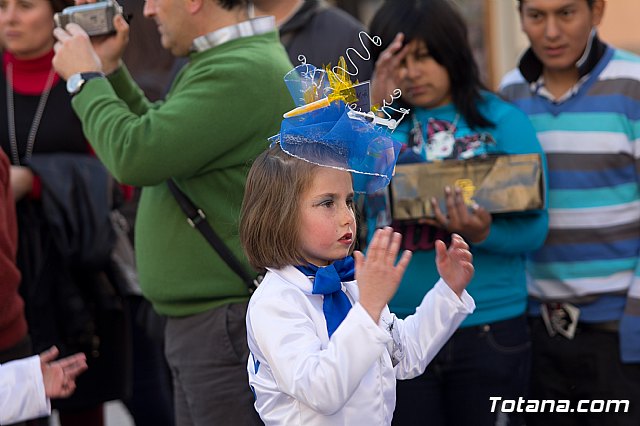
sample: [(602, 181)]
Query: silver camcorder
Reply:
[(94, 18)]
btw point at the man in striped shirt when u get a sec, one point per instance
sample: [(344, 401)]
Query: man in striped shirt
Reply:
[(583, 98)]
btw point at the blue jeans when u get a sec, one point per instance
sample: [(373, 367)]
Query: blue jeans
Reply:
[(477, 363)]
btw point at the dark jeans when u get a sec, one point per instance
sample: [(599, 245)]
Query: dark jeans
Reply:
[(477, 363), (587, 367)]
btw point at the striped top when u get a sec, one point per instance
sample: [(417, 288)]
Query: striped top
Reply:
[(592, 142)]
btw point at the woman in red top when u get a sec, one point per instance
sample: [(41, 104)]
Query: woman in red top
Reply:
[(37, 119)]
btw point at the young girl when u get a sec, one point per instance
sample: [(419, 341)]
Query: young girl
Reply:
[(325, 350)]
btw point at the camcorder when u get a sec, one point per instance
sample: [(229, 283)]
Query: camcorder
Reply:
[(95, 18)]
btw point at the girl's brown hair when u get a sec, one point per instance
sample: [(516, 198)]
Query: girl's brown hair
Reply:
[(269, 218)]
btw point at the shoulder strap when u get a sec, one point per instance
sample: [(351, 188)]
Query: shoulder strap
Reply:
[(197, 219)]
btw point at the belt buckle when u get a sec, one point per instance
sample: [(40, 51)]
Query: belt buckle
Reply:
[(560, 318)]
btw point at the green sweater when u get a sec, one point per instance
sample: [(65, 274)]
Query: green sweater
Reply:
[(214, 121)]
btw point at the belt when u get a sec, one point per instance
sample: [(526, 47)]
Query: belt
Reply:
[(605, 326), (609, 326)]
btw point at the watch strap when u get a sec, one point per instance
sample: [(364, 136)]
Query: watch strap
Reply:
[(83, 78)]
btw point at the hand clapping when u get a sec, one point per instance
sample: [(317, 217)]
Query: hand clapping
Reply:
[(454, 264), (378, 275)]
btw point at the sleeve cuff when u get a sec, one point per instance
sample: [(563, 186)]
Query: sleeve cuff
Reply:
[(44, 404), (464, 303)]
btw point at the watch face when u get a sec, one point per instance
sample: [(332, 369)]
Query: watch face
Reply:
[(74, 83)]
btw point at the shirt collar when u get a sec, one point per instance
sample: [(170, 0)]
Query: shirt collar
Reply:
[(539, 88), (248, 28)]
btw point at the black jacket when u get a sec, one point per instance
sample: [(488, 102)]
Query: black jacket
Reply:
[(323, 33), (64, 253)]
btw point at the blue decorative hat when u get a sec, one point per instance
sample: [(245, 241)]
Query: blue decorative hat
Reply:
[(327, 129)]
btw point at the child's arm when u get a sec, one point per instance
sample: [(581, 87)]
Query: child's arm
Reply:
[(423, 334), (377, 274)]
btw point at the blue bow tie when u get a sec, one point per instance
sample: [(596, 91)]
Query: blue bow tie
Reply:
[(328, 282)]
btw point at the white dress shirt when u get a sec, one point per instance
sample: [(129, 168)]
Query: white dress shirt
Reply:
[(301, 377)]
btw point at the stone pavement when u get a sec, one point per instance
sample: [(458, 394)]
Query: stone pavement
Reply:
[(115, 415)]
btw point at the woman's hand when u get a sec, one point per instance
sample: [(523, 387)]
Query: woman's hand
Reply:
[(388, 71), (455, 264), (21, 181), (474, 224), (377, 274)]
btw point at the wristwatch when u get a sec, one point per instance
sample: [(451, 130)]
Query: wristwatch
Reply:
[(76, 81)]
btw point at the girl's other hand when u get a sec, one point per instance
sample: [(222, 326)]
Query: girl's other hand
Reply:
[(455, 264)]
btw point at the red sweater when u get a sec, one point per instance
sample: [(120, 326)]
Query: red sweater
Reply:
[(13, 326)]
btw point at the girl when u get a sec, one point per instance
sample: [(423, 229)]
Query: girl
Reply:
[(325, 350), (428, 56)]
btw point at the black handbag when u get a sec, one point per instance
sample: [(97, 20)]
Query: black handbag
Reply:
[(198, 220)]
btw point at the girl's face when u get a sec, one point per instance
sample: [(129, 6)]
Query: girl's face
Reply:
[(327, 218), (425, 83), (26, 27)]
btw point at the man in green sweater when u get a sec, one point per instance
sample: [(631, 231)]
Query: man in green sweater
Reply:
[(215, 120)]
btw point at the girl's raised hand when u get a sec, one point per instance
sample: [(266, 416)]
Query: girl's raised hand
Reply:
[(454, 265), (377, 274)]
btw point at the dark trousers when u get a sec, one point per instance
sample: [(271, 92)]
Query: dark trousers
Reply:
[(151, 402), (208, 354), (586, 367), (477, 363)]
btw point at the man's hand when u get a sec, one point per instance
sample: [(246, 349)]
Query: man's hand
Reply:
[(110, 48), (378, 275), (60, 376), (76, 52)]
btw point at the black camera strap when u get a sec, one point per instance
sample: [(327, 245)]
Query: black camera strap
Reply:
[(198, 220)]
